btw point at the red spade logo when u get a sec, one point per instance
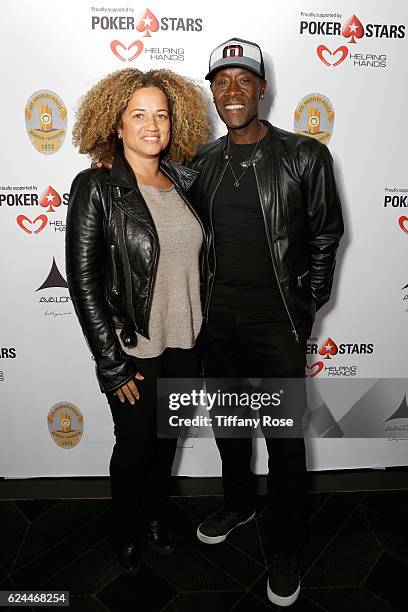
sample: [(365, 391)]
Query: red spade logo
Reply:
[(328, 349), (50, 198), (401, 223), (24, 221), (353, 29), (323, 49), (147, 23), (314, 369), (116, 44)]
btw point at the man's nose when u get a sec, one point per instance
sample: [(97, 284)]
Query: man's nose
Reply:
[(233, 87)]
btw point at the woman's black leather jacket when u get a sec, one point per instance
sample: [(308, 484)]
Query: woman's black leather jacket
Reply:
[(111, 256)]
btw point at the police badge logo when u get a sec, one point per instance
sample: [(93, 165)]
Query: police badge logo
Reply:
[(65, 424), (46, 121), (314, 117)]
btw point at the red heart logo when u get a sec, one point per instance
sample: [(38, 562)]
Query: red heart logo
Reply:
[(401, 222), (115, 44), (319, 365), (343, 51), (22, 219)]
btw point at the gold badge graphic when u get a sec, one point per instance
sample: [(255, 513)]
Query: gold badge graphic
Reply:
[(65, 424), (46, 121), (314, 117)]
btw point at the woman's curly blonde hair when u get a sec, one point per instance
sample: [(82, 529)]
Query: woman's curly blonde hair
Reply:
[(100, 111)]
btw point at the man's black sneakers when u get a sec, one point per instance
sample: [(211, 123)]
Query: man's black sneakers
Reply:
[(218, 526), (284, 580)]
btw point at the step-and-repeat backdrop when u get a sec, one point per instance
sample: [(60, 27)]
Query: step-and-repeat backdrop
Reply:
[(337, 72)]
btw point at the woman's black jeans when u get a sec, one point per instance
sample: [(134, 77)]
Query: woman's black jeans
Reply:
[(140, 466)]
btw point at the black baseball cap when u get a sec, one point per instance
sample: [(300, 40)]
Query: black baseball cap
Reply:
[(236, 53)]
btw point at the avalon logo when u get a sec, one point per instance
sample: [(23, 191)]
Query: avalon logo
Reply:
[(397, 423), (54, 278)]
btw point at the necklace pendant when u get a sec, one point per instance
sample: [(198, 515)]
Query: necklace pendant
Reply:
[(236, 184)]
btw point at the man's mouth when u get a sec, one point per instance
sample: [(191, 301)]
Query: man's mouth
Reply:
[(233, 106)]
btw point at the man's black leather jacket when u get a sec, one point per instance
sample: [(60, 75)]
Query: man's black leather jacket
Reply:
[(301, 210), (111, 256)]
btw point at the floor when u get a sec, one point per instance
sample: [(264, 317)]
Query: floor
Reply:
[(356, 559)]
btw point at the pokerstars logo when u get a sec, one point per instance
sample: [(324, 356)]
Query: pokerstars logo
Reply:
[(352, 30), (323, 353), (396, 199), (27, 196), (55, 301), (147, 24)]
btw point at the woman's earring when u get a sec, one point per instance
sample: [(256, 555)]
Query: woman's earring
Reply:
[(120, 135)]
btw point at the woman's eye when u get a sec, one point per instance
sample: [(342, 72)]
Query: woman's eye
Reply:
[(138, 116), (162, 117)]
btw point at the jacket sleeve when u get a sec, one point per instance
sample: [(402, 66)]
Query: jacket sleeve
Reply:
[(85, 255), (325, 220)]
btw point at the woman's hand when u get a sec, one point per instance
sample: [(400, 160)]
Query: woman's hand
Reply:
[(129, 391)]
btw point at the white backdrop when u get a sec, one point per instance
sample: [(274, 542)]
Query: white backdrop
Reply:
[(47, 381)]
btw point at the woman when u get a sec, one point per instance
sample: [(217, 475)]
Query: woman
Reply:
[(134, 251)]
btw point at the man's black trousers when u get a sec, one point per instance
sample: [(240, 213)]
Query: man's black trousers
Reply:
[(241, 346)]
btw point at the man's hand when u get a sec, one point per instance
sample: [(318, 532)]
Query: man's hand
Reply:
[(129, 391)]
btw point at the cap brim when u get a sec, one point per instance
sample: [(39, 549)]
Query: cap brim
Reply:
[(237, 64)]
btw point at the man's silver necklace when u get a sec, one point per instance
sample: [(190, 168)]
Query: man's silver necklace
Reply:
[(246, 163)]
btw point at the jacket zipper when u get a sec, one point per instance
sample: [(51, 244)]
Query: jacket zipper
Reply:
[(212, 280), (294, 331), (127, 274), (114, 271), (301, 277)]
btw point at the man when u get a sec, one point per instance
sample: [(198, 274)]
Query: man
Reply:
[(270, 199)]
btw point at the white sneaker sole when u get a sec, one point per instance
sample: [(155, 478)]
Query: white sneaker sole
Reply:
[(278, 600), (218, 539)]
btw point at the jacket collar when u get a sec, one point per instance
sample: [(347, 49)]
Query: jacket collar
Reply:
[(121, 174)]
